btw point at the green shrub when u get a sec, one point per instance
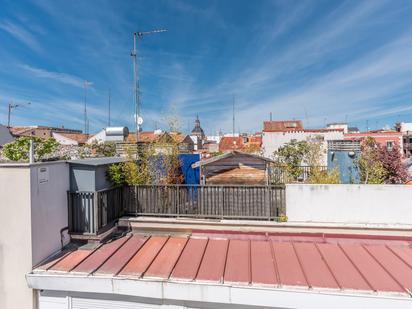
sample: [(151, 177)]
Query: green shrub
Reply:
[(317, 176), (115, 175), (18, 150)]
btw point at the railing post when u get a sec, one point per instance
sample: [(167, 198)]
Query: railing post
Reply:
[(95, 213), (70, 211)]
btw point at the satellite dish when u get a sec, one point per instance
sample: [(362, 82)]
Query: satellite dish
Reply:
[(138, 119)]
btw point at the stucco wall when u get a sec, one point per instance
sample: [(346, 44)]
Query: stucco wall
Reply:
[(271, 141), (48, 209), (15, 238), (33, 209), (380, 204)]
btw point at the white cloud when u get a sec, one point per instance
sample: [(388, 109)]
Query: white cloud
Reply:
[(57, 76), (21, 34)]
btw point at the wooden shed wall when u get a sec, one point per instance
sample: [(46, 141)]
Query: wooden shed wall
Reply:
[(238, 169), (239, 175)]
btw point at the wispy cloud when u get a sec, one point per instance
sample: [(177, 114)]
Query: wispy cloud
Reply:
[(21, 34), (304, 59), (56, 76)]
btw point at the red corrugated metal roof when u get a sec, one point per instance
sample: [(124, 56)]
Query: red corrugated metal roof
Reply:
[(311, 261)]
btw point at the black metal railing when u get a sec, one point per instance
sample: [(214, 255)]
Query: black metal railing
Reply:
[(90, 212), (279, 174), (209, 201)]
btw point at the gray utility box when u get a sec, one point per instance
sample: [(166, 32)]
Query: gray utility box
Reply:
[(90, 174)]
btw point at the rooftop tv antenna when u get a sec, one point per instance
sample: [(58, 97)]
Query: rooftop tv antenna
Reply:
[(137, 36), (14, 106)]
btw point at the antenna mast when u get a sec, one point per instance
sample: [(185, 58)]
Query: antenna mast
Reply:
[(233, 119), (86, 83), (136, 84), (108, 123)]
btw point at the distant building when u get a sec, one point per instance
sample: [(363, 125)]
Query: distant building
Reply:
[(144, 136), (40, 131), (73, 139), (353, 130), (211, 147), (278, 133), (406, 130), (184, 142), (198, 135), (385, 138), (403, 127), (234, 167), (5, 135), (282, 125), (338, 125), (245, 142), (164, 140)]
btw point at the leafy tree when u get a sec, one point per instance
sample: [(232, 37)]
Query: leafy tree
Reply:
[(312, 158), (314, 152), (370, 166), (18, 150), (291, 156), (172, 166), (158, 163), (391, 161)]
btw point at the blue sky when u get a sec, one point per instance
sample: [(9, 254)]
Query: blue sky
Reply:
[(320, 61)]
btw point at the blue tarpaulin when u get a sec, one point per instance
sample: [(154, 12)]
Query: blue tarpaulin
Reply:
[(191, 175)]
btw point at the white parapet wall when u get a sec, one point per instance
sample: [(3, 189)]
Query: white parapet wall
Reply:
[(33, 210), (349, 204)]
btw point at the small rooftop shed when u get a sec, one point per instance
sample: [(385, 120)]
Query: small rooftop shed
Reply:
[(234, 167), (90, 174)]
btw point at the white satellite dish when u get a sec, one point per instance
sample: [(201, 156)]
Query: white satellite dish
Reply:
[(138, 119)]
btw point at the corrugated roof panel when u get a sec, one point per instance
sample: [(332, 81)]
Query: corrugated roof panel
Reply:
[(189, 262), (95, 260), (376, 276), (71, 260), (290, 271), (317, 272), (263, 263), (403, 252), (213, 262), (393, 265), (344, 271), (238, 262), (144, 257), (116, 262), (380, 264), (52, 261), (164, 262)]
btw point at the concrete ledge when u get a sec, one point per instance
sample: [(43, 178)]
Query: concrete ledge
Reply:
[(188, 226)]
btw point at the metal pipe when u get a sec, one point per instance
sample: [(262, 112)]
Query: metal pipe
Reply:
[(31, 152)]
